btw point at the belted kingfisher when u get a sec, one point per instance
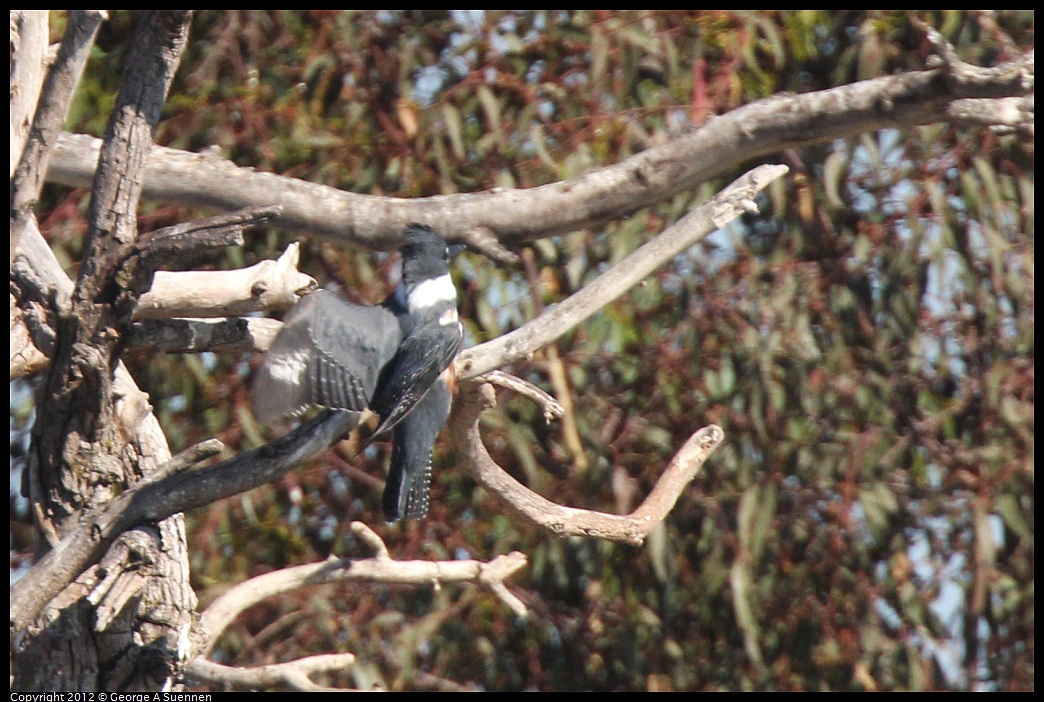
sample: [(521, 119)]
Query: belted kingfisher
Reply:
[(394, 359)]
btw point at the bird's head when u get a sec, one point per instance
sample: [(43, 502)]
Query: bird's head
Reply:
[(426, 281), (424, 255)]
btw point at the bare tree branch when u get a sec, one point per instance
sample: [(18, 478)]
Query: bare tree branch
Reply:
[(188, 335), (77, 402), (999, 114), (37, 265), (712, 215), (278, 284), (1019, 72), (125, 571), (570, 521), (379, 569), (29, 37), (39, 274), (556, 372), (158, 499), (513, 216), (295, 675), (181, 243), (26, 357), (551, 407), (267, 285), (40, 291), (55, 98)]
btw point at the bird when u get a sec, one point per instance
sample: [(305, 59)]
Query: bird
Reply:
[(394, 359)]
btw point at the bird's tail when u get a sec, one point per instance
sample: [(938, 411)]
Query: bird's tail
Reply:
[(409, 480), (406, 494)]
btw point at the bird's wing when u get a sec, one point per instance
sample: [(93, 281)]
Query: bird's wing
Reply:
[(329, 353), (421, 358), (409, 479)]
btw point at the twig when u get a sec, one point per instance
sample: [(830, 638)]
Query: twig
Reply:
[(189, 458), (556, 372), (552, 409), (369, 537), (484, 240)]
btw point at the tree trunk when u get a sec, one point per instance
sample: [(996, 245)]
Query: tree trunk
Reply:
[(124, 624)]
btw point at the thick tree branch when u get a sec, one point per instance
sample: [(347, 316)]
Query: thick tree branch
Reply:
[(42, 276), (29, 37), (267, 285), (514, 216), (95, 433), (188, 335), (42, 286), (154, 500), (278, 284), (26, 356), (117, 185), (999, 114)]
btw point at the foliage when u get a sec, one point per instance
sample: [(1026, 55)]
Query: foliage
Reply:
[(866, 343)]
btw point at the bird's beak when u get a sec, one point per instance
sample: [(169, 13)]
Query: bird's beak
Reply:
[(456, 249)]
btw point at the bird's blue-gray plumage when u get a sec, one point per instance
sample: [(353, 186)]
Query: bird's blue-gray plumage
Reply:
[(407, 489), (420, 360), (388, 358), (329, 353)]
